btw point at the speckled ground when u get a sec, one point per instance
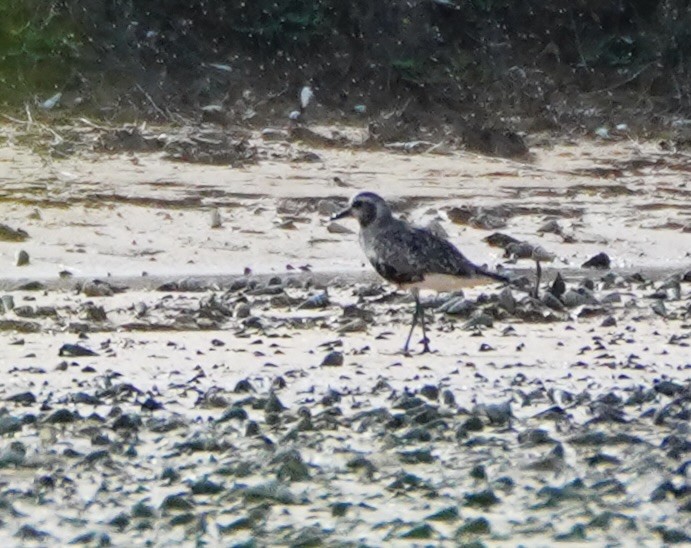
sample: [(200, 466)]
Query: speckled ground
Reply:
[(177, 401)]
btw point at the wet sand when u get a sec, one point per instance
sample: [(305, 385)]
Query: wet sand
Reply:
[(197, 421)]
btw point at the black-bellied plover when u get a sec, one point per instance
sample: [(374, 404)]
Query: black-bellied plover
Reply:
[(412, 258)]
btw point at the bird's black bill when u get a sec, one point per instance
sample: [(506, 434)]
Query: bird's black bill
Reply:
[(343, 213)]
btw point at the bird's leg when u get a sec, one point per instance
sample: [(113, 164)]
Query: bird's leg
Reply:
[(421, 313), (538, 276), (412, 327)]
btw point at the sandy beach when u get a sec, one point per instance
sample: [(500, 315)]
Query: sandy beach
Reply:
[(243, 384)]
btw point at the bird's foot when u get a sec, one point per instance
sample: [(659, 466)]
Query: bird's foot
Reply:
[(425, 349), (425, 346)]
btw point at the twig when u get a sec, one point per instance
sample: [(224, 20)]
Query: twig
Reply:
[(578, 41), (13, 119), (29, 119), (622, 83), (91, 124), (153, 103)]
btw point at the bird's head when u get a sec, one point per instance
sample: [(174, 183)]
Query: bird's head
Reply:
[(366, 207)]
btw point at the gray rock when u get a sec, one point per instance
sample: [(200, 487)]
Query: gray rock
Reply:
[(326, 207), (352, 326), (573, 298), (8, 234), (611, 298), (216, 218), (507, 301), (601, 260), (552, 226), (22, 258), (479, 319), (7, 303), (333, 359), (550, 301), (242, 310), (458, 306), (659, 308), (25, 311), (97, 288)]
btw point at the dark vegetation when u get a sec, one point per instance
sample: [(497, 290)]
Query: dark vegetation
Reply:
[(554, 63)]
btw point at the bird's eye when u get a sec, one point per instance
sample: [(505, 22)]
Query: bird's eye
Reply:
[(357, 204)]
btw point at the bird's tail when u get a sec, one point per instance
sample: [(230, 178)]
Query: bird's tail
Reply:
[(493, 275)]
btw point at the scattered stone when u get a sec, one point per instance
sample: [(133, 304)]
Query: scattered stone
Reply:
[(558, 287), (242, 310), (609, 321), (458, 306), (97, 288), (474, 526), (8, 234), (481, 499), (75, 350), (10, 424), (601, 260), (63, 416), (320, 300), (498, 239), (334, 358), (30, 533), (422, 531), (507, 300), (216, 218), (7, 303), (552, 302), (353, 326), (22, 258), (573, 298), (659, 308), (94, 313), (24, 398), (550, 227)]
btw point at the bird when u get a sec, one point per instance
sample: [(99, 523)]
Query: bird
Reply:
[(410, 257)]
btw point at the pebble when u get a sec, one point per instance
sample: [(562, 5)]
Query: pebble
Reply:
[(332, 359), (22, 258), (611, 298), (8, 234), (97, 288), (320, 300), (94, 313), (551, 301), (75, 350), (458, 306), (601, 260), (552, 226), (216, 218), (242, 310), (7, 303), (352, 326), (659, 308), (479, 318), (507, 300)]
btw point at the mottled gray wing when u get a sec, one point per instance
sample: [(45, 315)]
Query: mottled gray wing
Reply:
[(403, 254)]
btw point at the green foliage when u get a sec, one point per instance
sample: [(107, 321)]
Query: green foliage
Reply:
[(36, 47), (285, 24), (358, 46)]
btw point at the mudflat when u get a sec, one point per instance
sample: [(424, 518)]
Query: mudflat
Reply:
[(195, 353)]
